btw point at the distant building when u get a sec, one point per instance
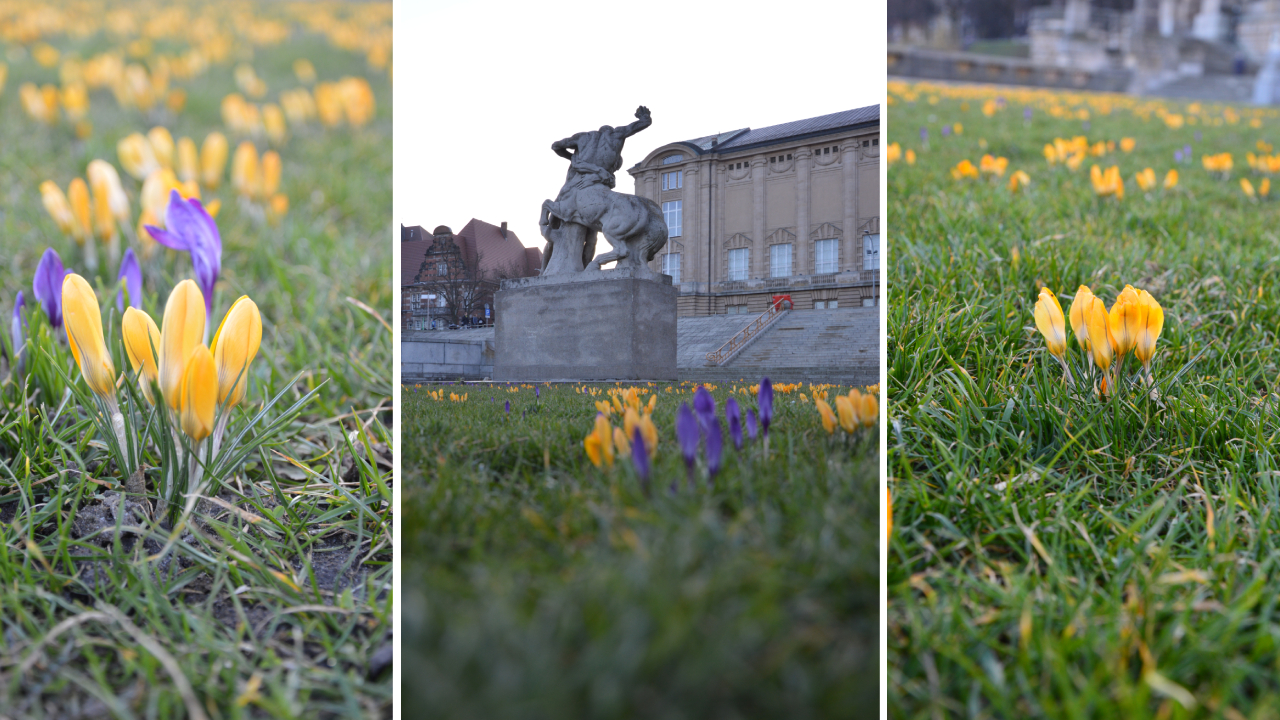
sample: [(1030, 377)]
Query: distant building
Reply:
[(449, 278), (792, 209)]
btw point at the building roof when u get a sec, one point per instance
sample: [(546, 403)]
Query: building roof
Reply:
[(797, 128), (499, 255), (746, 138)]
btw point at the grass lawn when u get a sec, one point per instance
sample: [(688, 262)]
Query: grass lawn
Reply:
[(1055, 554), (275, 600), (540, 586)]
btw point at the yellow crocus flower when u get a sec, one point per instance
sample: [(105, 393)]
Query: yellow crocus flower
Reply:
[(271, 170), (1149, 332), (1264, 187), (1171, 180), (181, 333), (1101, 341), (1146, 179), (137, 156), (1247, 187), (142, 345), (828, 417), (199, 394), (55, 202), (273, 122), (161, 142), (234, 347), (1079, 322), (1126, 316), (1051, 323), (78, 197), (649, 432), (599, 443), (83, 319), (622, 446), (870, 409), (213, 160), (845, 411), (245, 177), (188, 160)]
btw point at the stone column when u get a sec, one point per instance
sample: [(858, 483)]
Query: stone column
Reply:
[(691, 222), (651, 186), (850, 245), (759, 264), (805, 261), (718, 266), (1166, 18)]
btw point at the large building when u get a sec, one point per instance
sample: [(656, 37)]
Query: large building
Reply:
[(791, 209), (449, 279)]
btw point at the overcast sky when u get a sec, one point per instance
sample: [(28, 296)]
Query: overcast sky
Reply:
[(482, 89)]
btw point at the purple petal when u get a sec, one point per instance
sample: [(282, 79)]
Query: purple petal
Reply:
[(704, 405), (17, 336), (751, 423), (733, 414), (508, 407), (47, 286), (131, 275), (168, 239), (687, 433), (765, 398), (715, 447), (189, 228), (640, 456)]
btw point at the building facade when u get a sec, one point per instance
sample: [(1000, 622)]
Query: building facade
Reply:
[(449, 279), (787, 210)]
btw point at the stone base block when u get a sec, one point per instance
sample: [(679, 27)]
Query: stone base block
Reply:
[(593, 325)]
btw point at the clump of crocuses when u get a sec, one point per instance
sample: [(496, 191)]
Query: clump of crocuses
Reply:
[(1106, 337)]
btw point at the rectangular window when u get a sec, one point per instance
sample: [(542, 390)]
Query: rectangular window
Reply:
[(738, 263), (819, 304), (671, 266), (871, 252), (673, 180), (826, 256), (780, 260), (671, 211)]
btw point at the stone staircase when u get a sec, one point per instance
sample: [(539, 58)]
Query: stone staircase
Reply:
[(838, 346), (1209, 88), (697, 336)]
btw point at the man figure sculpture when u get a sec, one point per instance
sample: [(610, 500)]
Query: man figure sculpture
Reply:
[(628, 222)]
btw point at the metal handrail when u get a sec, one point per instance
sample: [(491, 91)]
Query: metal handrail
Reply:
[(745, 334)]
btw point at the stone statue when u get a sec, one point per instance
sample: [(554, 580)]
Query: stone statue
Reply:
[(1268, 80), (587, 205)]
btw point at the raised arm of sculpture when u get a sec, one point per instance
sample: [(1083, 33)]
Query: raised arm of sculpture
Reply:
[(643, 121)]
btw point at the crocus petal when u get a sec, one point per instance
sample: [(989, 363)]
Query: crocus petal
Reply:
[(640, 456), (17, 334), (84, 335), (1050, 322), (765, 399), (828, 417), (180, 334), (1149, 333), (1100, 331), (199, 394), (733, 413), (131, 275), (1079, 304), (844, 410), (751, 423), (47, 286), (687, 433), (715, 447)]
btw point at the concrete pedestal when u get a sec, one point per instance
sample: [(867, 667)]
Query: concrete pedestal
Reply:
[(594, 325)]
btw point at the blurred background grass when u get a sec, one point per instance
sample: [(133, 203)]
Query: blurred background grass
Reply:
[(538, 586), (282, 608)]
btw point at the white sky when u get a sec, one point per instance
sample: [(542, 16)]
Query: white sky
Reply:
[(482, 89)]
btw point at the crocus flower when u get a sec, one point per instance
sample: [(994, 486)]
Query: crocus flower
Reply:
[(129, 279), (765, 400), (715, 447), (234, 347), (84, 335), (180, 334), (199, 394), (1149, 329), (142, 344), (188, 165), (828, 417), (705, 406), (1171, 179), (508, 407), (1052, 325), (845, 411), (1247, 187), (599, 443), (1126, 316), (190, 229), (751, 423), (1100, 337), (620, 442), (18, 335), (161, 142), (47, 286), (687, 434), (137, 157), (640, 458), (733, 414), (1177, 156), (213, 160), (55, 203), (870, 410)]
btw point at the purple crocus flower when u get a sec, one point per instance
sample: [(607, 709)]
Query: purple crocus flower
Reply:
[(1186, 152), (17, 333), (189, 228), (765, 398), (733, 414), (536, 392), (705, 406), (508, 407), (1177, 156), (687, 435), (946, 130), (715, 448), (640, 458), (751, 423), (47, 286), (1026, 114), (130, 278), (924, 133)]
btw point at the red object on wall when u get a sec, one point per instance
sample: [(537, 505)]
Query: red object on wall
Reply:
[(784, 299)]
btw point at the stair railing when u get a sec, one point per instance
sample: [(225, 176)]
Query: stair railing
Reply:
[(743, 336)]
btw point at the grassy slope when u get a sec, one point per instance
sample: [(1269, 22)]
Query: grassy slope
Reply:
[(540, 587), (1052, 556), (334, 243)]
